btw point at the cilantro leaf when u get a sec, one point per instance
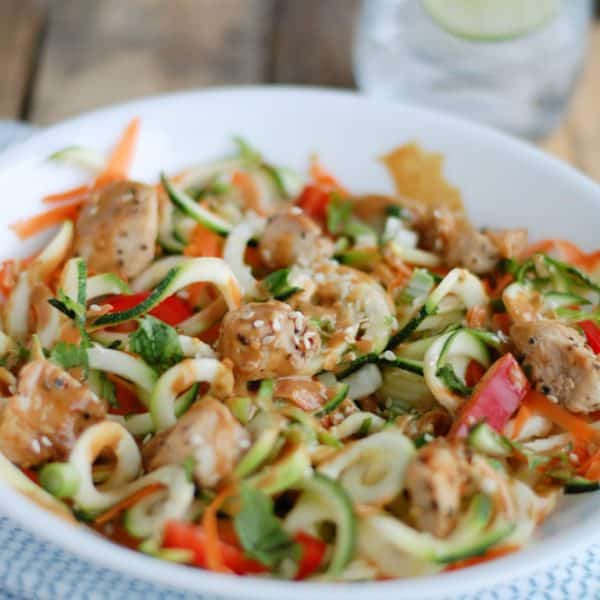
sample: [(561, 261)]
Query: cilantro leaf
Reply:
[(156, 342), (278, 285), (260, 531), (69, 355)]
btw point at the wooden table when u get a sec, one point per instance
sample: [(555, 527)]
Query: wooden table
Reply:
[(61, 57)]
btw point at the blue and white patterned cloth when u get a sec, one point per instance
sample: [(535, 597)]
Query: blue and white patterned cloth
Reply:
[(34, 569)]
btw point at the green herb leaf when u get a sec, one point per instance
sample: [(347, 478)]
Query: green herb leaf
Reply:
[(339, 212), (260, 531), (156, 342), (69, 355), (278, 285), (393, 210), (452, 381)]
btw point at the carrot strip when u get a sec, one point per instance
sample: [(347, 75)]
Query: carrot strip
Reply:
[(250, 192), (568, 251), (119, 507), (121, 158), (74, 194), (577, 427), (520, 420), (204, 242), (28, 227), (321, 176), (214, 550)]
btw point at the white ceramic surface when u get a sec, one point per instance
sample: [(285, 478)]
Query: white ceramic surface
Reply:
[(504, 183)]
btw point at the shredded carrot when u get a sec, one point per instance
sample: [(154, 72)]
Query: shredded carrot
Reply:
[(475, 560), (28, 227), (520, 420), (501, 284), (119, 507), (592, 469), (567, 250), (74, 194), (403, 274), (210, 524), (8, 276), (324, 178), (250, 192), (204, 242), (121, 158), (577, 427), (252, 257)]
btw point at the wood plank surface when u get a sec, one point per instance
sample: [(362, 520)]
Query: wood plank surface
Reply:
[(96, 52), (21, 24), (103, 51), (313, 42)]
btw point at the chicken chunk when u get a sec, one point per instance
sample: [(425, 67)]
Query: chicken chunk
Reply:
[(450, 235), (42, 421), (292, 237), (560, 363), (116, 231), (269, 339), (435, 482), (209, 434)]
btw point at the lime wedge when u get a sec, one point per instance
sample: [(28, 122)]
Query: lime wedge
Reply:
[(491, 20)]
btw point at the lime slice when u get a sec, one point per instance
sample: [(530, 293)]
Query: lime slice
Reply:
[(490, 20)]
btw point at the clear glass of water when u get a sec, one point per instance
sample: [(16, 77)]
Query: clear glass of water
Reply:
[(520, 83)]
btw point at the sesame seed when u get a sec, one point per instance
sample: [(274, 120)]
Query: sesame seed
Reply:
[(196, 439), (574, 458), (295, 210), (46, 441), (94, 307), (258, 323), (276, 325), (268, 339), (388, 355), (35, 446)]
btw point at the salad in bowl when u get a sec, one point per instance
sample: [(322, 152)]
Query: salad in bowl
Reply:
[(259, 372)]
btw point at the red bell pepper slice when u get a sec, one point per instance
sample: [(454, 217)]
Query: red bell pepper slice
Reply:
[(474, 373), (495, 398), (192, 537), (172, 310), (592, 333), (312, 552), (313, 201)]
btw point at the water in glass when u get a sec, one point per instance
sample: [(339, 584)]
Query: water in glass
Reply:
[(521, 84)]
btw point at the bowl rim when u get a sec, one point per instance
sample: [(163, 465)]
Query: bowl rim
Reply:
[(84, 543)]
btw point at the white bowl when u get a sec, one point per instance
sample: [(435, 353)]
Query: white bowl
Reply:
[(504, 183)]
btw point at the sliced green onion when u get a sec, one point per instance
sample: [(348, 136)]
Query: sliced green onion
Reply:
[(60, 479)]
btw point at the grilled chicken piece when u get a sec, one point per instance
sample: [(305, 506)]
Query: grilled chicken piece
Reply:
[(561, 364), (451, 236), (269, 339), (42, 421), (209, 434), (435, 481), (292, 237), (116, 231)]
